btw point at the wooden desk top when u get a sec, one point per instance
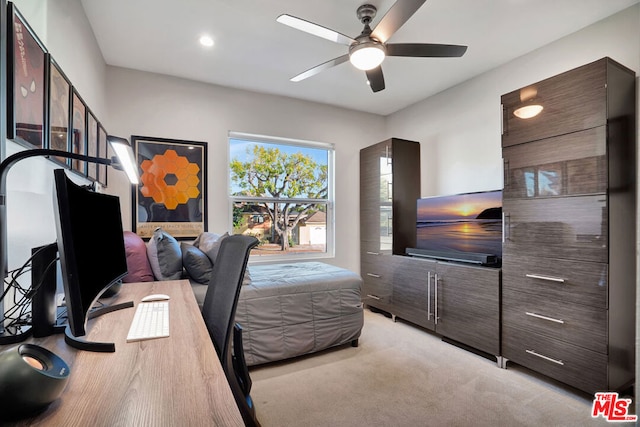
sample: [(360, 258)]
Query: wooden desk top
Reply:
[(174, 381)]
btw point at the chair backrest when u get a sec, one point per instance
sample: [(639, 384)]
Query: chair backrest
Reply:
[(221, 299), (219, 312)]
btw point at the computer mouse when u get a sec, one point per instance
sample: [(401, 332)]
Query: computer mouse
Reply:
[(155, 297)]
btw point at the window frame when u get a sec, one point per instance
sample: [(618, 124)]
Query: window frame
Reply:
[(329, 201)]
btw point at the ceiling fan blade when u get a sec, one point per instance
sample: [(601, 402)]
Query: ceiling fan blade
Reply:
[(315, 29), (376, 79), (395, 18), (318, 68), (425, 50)]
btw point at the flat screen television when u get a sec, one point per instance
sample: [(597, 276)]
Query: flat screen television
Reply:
[(461, 227), (92, 253)]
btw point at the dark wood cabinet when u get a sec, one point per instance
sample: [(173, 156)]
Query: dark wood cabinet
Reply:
[(568, 283), (457, 301), (389, 188), (467, 305)]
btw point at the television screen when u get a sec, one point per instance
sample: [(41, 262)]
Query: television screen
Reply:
[(91, 246), (470, 223)]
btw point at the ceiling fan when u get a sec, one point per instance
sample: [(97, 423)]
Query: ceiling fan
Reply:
[(368, 50)]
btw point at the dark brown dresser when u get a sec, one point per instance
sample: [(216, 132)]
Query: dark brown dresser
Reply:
[(569, 206)]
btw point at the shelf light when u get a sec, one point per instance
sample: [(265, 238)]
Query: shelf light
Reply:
[(528, 111)]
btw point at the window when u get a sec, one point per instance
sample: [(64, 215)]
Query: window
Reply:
[(281, 192)]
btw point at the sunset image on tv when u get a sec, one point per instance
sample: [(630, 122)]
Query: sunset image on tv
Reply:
[(464, 222)]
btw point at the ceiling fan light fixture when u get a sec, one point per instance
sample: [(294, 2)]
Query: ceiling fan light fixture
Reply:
[(367, 56), (528, 111)]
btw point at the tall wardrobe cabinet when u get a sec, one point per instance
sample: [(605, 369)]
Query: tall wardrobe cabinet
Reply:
[(389, 188), (569, 206)]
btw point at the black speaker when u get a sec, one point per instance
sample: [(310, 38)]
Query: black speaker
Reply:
[(31, 377)]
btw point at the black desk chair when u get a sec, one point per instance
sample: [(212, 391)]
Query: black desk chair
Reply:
[(219, 312)]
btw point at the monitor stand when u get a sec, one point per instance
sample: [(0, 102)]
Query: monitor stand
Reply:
[(103, 347)]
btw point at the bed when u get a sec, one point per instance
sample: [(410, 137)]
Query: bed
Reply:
[(288, 310)]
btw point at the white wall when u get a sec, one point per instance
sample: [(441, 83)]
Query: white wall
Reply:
[(64, 29), (154, 105)]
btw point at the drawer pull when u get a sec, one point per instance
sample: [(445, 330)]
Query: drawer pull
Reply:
[(549, 278), (374, 297), (540, 316), (373, 253), (377, 276), (559, 362)]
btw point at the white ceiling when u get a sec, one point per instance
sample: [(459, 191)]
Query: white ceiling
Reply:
[(254, 52)]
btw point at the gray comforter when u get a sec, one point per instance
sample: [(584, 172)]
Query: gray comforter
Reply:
[(293, 309)]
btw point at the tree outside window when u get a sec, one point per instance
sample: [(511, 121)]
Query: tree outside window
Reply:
[(280, 193)]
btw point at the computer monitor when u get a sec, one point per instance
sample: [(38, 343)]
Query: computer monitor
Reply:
[(92, 254)]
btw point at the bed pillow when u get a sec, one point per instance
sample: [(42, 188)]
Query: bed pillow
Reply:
[(196, 263), (209, 243), (165, 257), (138, 267)]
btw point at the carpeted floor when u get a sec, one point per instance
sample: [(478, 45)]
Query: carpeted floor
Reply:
[(401, 375)]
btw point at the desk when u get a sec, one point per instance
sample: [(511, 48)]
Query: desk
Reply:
[(174, 381)]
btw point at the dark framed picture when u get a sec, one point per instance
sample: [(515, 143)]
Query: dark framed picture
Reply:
[(92, 145), (172, 192), (59, 111), (78, 132), (102, 152), (26, 82)]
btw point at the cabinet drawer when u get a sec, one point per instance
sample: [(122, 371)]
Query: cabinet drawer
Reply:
[(576, 366), (572, 164), (574, 323), (557, 227), (561, 280), (375, 294), (572, 101)]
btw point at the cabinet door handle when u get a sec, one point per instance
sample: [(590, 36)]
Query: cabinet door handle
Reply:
[(549, 278), (506, 223), (373, 253), (556, 361), (377, 276), (429, 295), (435, 288), (373, 297), (507, 177), (540, 316), (501, 119)]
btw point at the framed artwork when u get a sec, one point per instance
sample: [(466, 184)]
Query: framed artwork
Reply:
[(102, 152), (78, 132), (27, 82), (59, 111), (172, 192), (92, 145)]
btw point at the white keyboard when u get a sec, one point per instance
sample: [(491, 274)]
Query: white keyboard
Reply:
[(151, 320)]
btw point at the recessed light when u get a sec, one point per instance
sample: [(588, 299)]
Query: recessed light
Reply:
[(206, 41)]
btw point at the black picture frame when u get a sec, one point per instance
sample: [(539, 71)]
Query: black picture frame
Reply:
[(178, 203), (59, 111), (27, 82), (78, 131), (102, 152), (92, 145)]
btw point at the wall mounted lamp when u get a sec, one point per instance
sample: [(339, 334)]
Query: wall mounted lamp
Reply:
[(124, 160)]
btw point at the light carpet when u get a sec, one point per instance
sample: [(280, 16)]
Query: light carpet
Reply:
[(401, 375)]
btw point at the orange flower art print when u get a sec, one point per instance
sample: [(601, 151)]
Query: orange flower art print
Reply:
[(171, 193)]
